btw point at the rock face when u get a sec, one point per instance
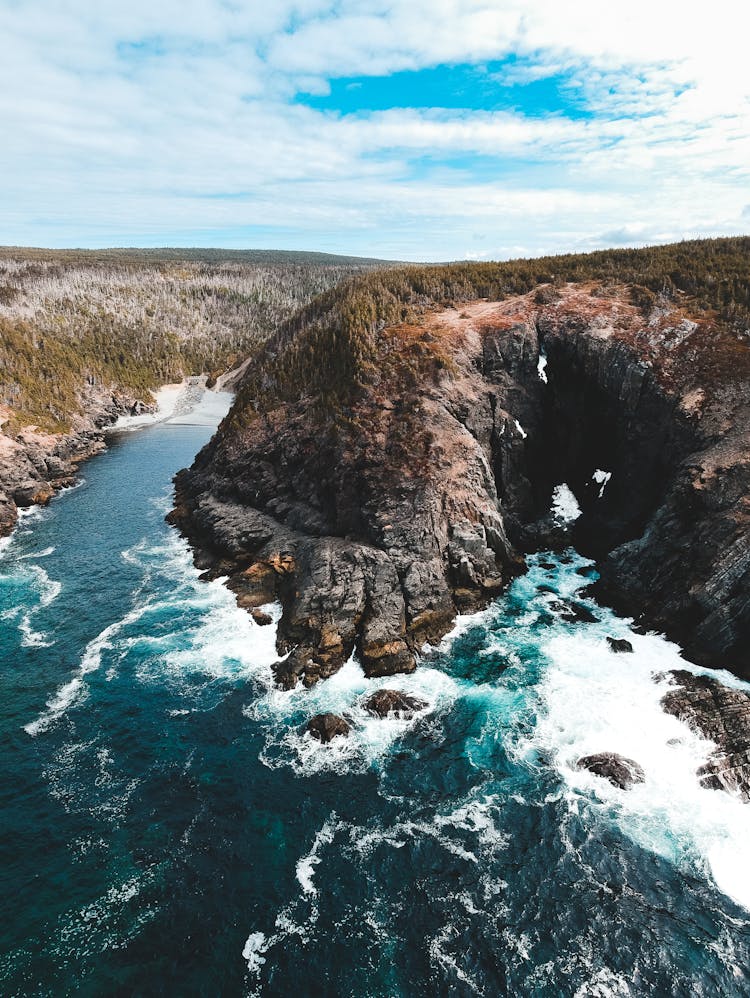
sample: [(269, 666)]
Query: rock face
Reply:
[(722, 715), (622, 772), (326, 727), (35, 465), (386, 702), (376, 520)]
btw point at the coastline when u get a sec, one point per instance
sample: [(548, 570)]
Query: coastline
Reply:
[(35, 466)]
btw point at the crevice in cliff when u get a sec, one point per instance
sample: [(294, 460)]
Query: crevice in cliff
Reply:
[(599, 411)]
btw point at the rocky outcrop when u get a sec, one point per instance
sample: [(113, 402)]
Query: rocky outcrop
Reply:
[(621, 772), (34, 465), (326, 727), (619, 645), (376, 520), (722, 715), (384, 703)]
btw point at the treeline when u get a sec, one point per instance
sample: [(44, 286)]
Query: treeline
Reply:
[(335, 344), (135, 319)]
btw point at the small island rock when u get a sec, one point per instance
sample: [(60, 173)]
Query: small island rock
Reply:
[(617, 769), (619, 645), (385, 702), (326, 727)]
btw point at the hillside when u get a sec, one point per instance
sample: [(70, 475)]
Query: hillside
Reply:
[(394, 449), (134, 319), (86, 335)]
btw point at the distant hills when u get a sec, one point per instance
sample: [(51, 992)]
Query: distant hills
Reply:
[(137, 318)]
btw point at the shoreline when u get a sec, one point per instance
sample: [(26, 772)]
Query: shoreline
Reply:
[(35, 466)]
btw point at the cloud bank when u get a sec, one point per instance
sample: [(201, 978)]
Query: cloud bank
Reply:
[(213, 122)]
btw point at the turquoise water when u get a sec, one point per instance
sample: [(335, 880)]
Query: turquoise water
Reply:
[(167, 829)]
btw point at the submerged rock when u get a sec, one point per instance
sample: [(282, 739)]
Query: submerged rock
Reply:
[(385, 702), (573, 613), (721, 714), (326, 727), (619, 770), (619, 645)]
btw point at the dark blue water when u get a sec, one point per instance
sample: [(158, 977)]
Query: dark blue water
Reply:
[(167, 830)]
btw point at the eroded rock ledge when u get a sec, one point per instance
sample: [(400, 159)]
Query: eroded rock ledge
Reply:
[(374, 525), (34, 464), (722, 715)]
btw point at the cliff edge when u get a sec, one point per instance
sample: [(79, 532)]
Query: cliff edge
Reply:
[(379, 486)]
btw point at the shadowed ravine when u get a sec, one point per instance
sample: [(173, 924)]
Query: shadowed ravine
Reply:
[(167, 821)]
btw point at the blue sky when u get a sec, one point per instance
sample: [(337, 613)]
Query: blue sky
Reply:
[(406, 129)]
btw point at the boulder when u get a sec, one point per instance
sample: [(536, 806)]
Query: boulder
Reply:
[(573, 613), (619, 645), (383, 703), (621, 772), (326, 727)]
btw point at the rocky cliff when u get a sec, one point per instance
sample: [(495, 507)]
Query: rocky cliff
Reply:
[(35, 464), (376, 517)]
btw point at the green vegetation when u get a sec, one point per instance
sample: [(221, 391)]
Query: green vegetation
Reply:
[(135, 319), (337, 343), (318, 324)]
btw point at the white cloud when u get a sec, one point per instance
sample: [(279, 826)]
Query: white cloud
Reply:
[(175, 122)]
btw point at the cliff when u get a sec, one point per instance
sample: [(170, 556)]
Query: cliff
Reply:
[(396, 479), (35, 464), (86, 335)]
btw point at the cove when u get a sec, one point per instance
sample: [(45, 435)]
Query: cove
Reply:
[(168, 828)]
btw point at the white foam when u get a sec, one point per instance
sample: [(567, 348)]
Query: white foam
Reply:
[(604, 984), (448, 962), (49, 589), (540, 367), (305, 869), (601, 478), (31, 638), (37, 554), (29, 513), (74, 689), (255, 946), (520, 429), (565, 508), (597, 701), (369, 739), (219, 640)]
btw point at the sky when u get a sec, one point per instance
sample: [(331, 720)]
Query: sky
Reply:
[(402, 129)]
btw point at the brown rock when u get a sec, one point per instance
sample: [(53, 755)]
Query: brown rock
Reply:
[(382, 703), (326, 727), (617, 769), (721, 714)]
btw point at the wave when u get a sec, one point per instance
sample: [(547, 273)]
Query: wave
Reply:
[(75, 688), (592, 700), (284, 715), (37, 554), (29, 637)]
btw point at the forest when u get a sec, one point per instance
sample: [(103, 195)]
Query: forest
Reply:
[(135, 319), (335, 344)]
